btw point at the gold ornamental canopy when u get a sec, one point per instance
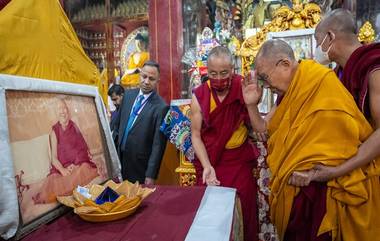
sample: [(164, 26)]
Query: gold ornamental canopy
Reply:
[(300, 16)]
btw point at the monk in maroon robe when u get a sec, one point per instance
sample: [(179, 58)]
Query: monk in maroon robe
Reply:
[(361, 64), (219, 136), (71, 159), (71, 147)]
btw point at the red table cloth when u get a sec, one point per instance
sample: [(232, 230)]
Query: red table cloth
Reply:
[(166, 214)]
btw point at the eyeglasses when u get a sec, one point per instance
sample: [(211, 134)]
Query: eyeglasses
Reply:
[(262, 79)]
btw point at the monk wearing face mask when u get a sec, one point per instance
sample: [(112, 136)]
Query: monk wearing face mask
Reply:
[(219, 130)]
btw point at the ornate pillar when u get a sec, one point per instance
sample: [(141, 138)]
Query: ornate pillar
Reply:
[(166, 45), (186, 172)]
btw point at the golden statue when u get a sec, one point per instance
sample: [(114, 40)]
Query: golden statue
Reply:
[(136, 60), (312, 13), (279, 22), (366, 33), (249, 51), (296, 16), (299, 17)]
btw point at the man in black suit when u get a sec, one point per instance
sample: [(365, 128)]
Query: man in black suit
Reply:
[(116, 93), (140, 143)]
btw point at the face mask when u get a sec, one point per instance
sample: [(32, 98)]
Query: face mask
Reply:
[(220, 84), (321, 56)]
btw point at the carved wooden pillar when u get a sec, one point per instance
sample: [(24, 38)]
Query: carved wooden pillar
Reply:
[(166, 45), (166, 48), (186, 172)]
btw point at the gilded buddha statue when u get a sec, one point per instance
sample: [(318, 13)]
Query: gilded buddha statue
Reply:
[(279, 22), (136, 60), (312, 13), (296, 16), (366, 33)]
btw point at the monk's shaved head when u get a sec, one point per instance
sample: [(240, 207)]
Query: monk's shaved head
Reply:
[(274, 50), (275, 65), (340, 21), (220, 51)]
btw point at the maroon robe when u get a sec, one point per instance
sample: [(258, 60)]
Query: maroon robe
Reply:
[(3, 3), (308, 210), (233, 167), (71, 149), (362, 62), (71, 146)]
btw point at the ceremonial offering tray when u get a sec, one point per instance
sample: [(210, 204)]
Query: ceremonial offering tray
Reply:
[(108, 202)]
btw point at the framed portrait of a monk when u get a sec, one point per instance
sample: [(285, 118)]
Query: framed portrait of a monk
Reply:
[(54, 137)]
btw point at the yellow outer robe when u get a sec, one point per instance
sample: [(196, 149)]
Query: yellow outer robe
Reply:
[(318, 122), (38, 40)]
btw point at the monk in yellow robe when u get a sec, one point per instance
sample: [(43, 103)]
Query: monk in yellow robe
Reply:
[(136, 61), (317, 122)]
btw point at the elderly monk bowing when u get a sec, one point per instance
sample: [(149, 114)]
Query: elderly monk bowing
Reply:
[(317, 122), (219, 129)]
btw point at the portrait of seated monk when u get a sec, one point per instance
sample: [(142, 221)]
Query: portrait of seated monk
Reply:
[(71, 161)]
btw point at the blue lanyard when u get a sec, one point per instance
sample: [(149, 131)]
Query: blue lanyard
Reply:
[(136, 112)]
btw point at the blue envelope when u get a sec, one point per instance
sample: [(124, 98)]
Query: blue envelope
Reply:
[(108, 195)]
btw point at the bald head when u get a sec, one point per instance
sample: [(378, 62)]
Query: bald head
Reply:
[(220, 52), (62, 112), (275, 65), (336, 35), (340, 21), (274, 50)]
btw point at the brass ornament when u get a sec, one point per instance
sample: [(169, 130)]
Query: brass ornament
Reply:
[(301, 16), (366, 33)]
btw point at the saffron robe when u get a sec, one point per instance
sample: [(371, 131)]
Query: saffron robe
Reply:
[(317, 122)]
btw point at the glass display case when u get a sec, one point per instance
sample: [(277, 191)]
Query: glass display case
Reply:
[(192, 26), (102, 27)]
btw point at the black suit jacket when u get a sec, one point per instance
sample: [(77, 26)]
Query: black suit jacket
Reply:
[(145, 143)]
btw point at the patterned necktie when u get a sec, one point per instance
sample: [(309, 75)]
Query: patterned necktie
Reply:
[(135, 111)]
